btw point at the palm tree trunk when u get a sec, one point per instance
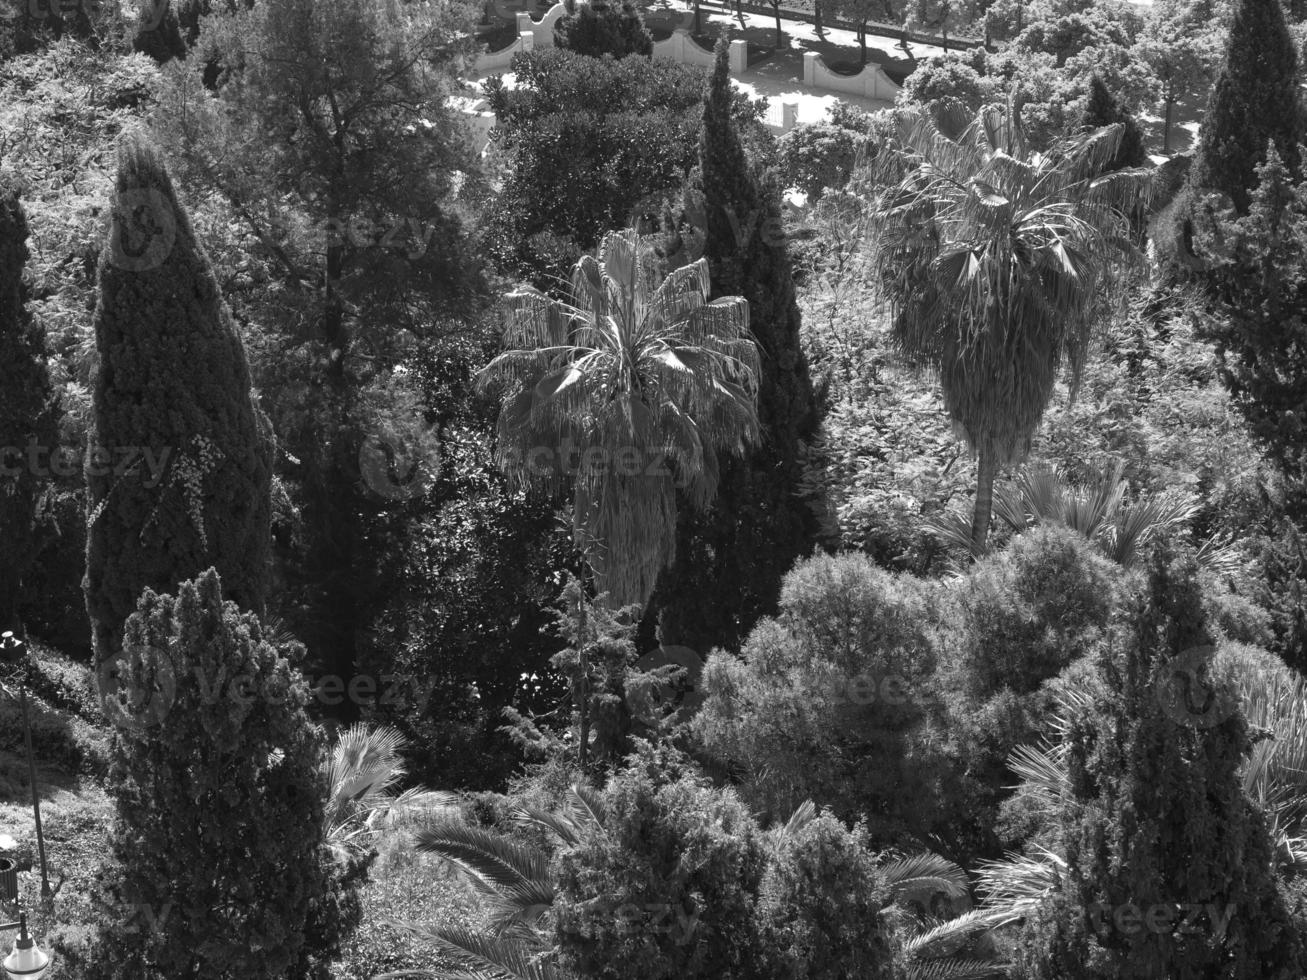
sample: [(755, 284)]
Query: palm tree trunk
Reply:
[(986, 470), (816, 11)]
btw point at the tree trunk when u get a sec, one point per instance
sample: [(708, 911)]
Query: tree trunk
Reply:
[(776, 9), (816, 10), (986, 470), (862, 44), (698, 24), (1166, 118)]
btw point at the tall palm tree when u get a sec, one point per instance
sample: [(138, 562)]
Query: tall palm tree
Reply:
[(996, 261), (632, 389)]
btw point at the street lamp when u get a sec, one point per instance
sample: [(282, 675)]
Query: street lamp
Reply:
[(26, 961), (12, 648)]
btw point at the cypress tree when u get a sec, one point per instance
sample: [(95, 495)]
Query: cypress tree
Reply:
[(1261, 332), (159, 33), (28, 417), (730, 560), (1101, 110), (1169, 863), (179, 465), (1255, 99), (216, 780)]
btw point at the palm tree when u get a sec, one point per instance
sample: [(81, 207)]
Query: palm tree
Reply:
[(513, 878), (996, 261), (1099, 510), (632, 389), (362, 772)]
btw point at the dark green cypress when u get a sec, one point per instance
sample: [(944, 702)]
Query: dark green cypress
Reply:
[(1255, 99), (1101, 110), (731, 559), (159, 35), (28, 414), (1156, 823), (172, 382)]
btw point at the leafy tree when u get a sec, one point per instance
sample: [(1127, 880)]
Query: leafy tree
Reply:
[(588, 142), (1181, 43), (635, 386), (996, 278), (216, 779), (601, 28), (1156, 817), (28, 409), (817, 156), (1255, 100), (1072, 33), (730, 561), (942, 16), (179, 465), (332, 145), (946, 86), (861, 13)]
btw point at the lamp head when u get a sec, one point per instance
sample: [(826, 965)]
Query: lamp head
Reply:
[(26, 961)]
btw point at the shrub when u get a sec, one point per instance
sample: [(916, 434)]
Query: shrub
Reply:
[(821, 905), (1031, 611), (823, 699), (599, 27), (669, 890), (220, 802)]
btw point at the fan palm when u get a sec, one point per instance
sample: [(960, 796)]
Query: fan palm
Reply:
[(1098, 510), (634, 387), (362, 772), (996, 261), (513, 879)]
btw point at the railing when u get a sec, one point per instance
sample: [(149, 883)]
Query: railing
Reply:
[(870, 83)]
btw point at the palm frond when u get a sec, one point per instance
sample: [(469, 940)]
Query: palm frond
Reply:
[(480, 957)]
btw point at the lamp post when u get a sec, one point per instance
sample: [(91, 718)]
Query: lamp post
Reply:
[(26, 961), (13, 648)]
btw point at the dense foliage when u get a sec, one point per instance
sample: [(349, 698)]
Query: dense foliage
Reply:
[(28, 412)]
